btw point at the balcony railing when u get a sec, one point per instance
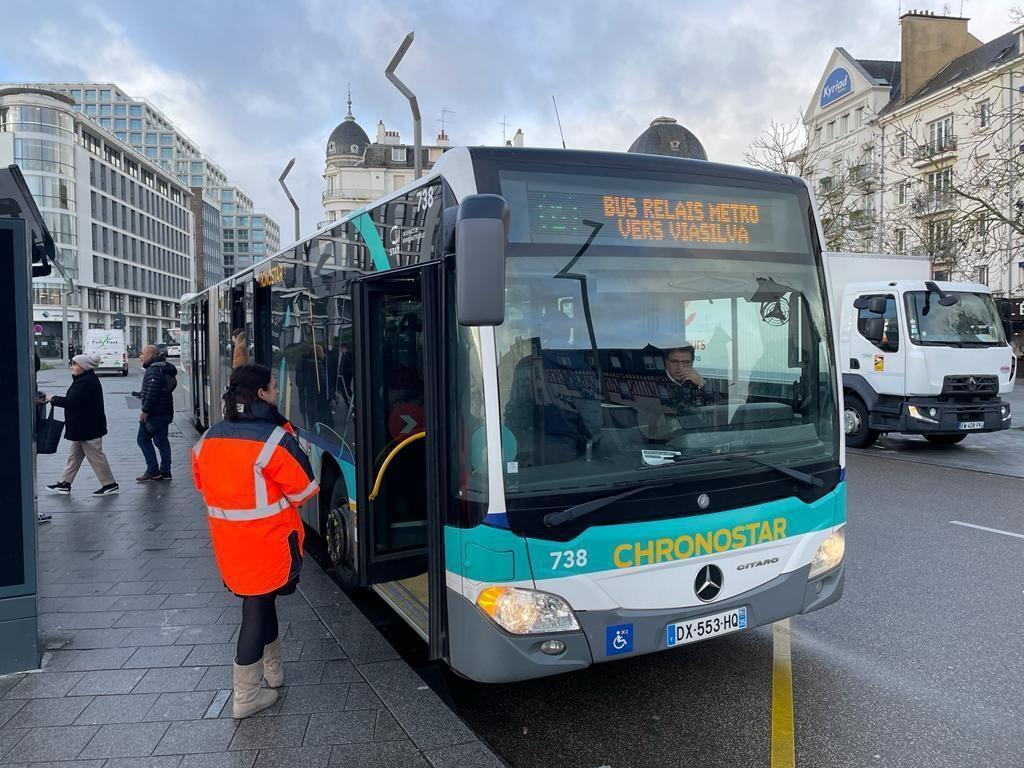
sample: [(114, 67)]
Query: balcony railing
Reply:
[(935, 147), (351, 193), (933, 202)]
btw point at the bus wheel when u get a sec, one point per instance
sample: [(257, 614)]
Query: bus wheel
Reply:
[(944, 439), (855, 422), (339, 535)]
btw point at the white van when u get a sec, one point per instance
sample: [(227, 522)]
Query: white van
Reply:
[(110, 347)]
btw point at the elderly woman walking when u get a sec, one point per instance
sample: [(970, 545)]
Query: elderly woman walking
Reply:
[(253, 475), (85, 426)]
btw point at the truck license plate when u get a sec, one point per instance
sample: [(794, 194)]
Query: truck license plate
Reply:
[(972, 425), (707, 626)]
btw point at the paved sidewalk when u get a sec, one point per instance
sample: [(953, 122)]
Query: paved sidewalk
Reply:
[(139, 635)]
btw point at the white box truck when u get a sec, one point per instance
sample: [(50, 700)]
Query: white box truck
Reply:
[(109, 346), (918, 357)]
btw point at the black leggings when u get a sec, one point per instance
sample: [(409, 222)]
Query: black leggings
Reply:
[(259, 628)]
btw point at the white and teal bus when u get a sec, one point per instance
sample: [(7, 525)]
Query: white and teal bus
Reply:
[(477, 366)]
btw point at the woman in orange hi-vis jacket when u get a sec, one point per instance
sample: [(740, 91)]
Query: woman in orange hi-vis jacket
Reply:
[(253, 475)]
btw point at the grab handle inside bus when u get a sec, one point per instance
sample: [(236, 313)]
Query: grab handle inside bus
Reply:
[(481, 231)]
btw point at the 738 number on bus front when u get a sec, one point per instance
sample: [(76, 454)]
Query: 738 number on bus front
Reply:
[(568, 558)]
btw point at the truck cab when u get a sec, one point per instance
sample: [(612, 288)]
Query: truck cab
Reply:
[(921, 357)]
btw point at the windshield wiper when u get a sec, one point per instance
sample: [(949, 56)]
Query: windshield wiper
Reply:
[(794, 474), (577, 511)]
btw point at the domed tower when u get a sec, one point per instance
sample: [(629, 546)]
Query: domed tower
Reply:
[(346, 148), (665, 136)]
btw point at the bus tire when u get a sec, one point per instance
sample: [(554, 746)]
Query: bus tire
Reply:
[(855, 422), (338, 532), (944, 439)]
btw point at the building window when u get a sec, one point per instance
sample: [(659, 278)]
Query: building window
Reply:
[(151, 138), (901, 241), (166, 152), (902, 145), (983, 275), (120, 110), (398, 154), (90, 94), (858, 119), (817, 135), (105, 95), (831, 130), (940, 135), (985, 114), (167, 139), (76, 94), (121, 124), (844, 124), (135, 110)]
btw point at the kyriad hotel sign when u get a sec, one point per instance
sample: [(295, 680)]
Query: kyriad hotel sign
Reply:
[(837, 85)]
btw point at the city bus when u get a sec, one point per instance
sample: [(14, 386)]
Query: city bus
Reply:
[(565, 407)]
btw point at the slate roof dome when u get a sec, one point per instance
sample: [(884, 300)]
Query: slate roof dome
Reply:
[(665, 136), (348, 138)]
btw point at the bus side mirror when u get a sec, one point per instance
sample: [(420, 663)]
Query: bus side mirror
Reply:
[(481, 231), (874, 329)]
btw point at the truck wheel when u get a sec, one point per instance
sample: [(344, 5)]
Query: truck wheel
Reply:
[(944, 439), (855, 422), (339, 535)]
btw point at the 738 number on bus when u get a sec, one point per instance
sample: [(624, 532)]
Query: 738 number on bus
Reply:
[(568, 558)]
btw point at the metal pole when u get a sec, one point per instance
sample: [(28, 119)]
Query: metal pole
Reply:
[(389, 73), (291, 199), (64, 340)]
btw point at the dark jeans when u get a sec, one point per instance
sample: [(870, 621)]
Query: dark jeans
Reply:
[(153, 432)]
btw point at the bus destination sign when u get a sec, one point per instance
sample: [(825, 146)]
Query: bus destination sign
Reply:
[(681, 220)]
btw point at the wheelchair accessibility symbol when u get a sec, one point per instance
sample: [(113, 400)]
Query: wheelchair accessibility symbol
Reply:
[(618, 639)]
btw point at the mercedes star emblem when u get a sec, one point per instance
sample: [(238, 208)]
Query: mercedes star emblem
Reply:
[(708, 583)]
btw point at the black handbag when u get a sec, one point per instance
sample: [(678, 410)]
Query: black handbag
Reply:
[(48, 433)]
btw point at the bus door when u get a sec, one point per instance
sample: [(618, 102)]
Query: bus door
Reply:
[(399, 520)]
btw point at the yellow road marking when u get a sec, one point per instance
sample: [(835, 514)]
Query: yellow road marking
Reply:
[(783, 750)]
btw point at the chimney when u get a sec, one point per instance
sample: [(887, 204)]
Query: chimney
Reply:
[(517, 140), (380, 131), (442, 139), (927, 44)]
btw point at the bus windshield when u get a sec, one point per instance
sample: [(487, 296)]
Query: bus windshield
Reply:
[(972, 321), (650, 322)]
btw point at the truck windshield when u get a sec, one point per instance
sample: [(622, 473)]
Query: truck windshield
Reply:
[(972, 321), (648, 322)]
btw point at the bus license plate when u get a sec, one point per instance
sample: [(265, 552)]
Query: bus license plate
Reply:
[(972, 425), (707, 626)]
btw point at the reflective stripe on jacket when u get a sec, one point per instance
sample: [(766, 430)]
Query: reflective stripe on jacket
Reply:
[(253, 474)]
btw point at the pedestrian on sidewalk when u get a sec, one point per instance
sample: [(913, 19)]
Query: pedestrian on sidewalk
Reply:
[(157, 395), (85, 425), (253, 474)]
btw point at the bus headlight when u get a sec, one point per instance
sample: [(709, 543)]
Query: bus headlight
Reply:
[(526, 611), (829, 554)]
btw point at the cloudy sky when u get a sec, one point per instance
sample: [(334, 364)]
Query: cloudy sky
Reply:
[(258, 82)]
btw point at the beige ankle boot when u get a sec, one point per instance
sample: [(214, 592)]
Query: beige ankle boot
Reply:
[(273, 666), (250, 698)]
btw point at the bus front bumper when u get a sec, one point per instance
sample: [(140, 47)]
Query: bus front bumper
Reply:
[(481, 651)]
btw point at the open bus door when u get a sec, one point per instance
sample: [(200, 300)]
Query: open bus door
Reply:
[(399, 464)]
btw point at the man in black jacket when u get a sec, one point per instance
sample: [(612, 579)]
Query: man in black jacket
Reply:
[(157, 413), (86, 424)]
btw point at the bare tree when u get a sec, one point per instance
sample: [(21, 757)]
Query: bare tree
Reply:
[(842, 191)]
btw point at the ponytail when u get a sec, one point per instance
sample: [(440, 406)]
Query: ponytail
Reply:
[(243, 389)]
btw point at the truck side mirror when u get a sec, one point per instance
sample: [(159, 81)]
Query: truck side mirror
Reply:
[(877, 305), (1008, 330), (1005, 309), (481, 231), (874, 329)]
